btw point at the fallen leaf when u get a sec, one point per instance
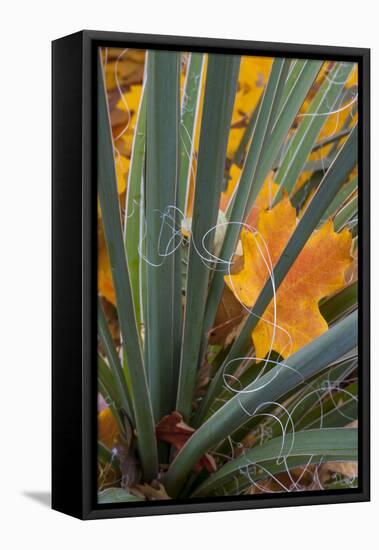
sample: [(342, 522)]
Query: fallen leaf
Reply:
[(110, 312), (263, 200), (229, 315), (130, 100), (318, 271), (172, 429), (107, 428), (253, 75), (127, 70), (233, 178), (122, 169)]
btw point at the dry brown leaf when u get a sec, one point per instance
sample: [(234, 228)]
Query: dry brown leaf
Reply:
[(202, 380), (229, 315), (172, 429)]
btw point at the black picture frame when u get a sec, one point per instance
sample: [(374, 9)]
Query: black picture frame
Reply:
[(74, 329)]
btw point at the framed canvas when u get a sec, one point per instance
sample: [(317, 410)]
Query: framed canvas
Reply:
[(210, 275)]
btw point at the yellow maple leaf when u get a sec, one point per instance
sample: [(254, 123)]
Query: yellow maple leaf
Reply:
[(128, 66), (124, 117), (233, 179), (253, 75), (264, 199), (318, 272), (130, 100), (122, 168), (104, 273)]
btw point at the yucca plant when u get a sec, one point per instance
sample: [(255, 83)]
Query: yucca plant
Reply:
[(227, 353)]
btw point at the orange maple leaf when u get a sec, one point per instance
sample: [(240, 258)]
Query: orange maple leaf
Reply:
[(264, 200), (174, 430), (318, 272)]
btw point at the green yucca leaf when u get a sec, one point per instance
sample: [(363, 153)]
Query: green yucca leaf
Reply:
[(331, 139), (133, 226), (163, 312), (320, 165), (335, 138), (220, 89), (296, 68), (325, 394), (292, 103), (300, 197), (107, 380), (335, 444), (342, 484), (345, 214), (111, 218), (311, 386), (189, 110), (339, 412), (316, 397), (345, 191), (246, 136), (114, 362), (108, 390), (347, 125), (297, 402), (326, 100), (114, 495), (339, 304), (279, 94), (308, 361), (329, 186)]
